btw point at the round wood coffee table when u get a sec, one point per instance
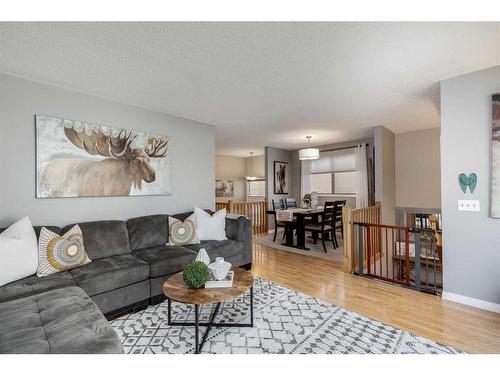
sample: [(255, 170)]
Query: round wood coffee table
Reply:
[(176, 290)]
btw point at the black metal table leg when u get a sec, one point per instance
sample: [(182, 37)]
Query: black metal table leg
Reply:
[(196, 323), (169, 315), (251, 306), (209, 326)]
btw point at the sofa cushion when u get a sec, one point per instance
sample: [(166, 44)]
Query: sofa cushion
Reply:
[(59, 321), (225, 248), (104, 238), (164, 260), (34, 284), (147, 231), (103, 275)]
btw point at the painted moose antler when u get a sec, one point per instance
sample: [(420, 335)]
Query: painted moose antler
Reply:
[(157, 148), (99, 143)]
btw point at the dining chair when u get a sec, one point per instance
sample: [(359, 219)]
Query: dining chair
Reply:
[(326, 225), (290, 203), (338, 222), (278, 204)]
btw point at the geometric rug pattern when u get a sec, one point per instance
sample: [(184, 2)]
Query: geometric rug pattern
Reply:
[(285, 322)]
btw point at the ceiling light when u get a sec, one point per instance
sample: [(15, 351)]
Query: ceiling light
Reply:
[(251, 178), (309, 153)]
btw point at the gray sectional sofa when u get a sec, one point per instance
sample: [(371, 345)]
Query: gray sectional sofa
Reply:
[(67, 312)]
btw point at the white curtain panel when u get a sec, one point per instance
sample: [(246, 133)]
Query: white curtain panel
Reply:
[(305, 178), (361, 178)]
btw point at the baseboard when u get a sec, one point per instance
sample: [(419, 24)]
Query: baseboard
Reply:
[(479, 303)]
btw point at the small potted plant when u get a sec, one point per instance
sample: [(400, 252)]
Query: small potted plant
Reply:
[(196, 274), (306, 201)]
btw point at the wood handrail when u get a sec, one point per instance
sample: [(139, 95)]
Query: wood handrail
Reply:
[(254, 210)]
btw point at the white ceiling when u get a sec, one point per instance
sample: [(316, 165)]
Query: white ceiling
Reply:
[(259, 83)]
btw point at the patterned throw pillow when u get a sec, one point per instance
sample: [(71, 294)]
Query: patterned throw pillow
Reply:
[(60, 253), (182, 232)]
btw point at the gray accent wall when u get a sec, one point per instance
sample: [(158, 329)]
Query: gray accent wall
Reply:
[(471, 240), (418, 169), (192, 150)]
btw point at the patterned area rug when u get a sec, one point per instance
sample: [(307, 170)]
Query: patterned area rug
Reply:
[(285, 321)]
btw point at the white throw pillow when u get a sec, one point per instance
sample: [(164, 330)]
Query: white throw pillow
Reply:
[(210, 227), (18, 252)]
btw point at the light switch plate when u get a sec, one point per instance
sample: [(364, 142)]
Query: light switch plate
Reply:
[(468, 205)]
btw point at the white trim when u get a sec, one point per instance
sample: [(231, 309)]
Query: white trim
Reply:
[(479, 303)]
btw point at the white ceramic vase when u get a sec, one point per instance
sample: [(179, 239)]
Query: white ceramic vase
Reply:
[(219, 268), (203, 256)]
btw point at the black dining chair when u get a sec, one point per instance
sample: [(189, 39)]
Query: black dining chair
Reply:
[(337, 220), (326, 225), (290, 203), (278, 204)]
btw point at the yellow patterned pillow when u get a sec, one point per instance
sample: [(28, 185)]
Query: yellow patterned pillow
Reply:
[(60, 253), (182, 232)]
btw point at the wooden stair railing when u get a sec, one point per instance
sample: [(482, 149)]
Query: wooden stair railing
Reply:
[(369, 215), (254, 210)]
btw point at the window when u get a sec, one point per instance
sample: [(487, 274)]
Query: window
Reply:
[(333, 183), (256, 188), (333, 172), (344, 182), (321, 183)]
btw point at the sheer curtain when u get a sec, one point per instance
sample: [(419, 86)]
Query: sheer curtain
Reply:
[(361, 177), (305, 178)]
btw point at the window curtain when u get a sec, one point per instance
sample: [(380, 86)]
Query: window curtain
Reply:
[(305, 178), (361, 177)]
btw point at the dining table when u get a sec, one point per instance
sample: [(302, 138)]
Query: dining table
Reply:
[(297, 217)]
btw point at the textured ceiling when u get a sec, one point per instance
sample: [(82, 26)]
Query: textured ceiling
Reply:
[(259, 83)]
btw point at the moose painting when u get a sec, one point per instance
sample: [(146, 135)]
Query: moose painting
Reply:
[(495, 156), (77, 159)]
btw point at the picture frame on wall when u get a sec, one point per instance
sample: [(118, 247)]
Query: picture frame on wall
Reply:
[(80, 159), (495, 156), (224, 188), (281, 177)]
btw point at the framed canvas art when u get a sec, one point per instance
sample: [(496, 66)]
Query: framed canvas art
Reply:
[(78, 159), (495, 156), (224, 188), (281, 177)]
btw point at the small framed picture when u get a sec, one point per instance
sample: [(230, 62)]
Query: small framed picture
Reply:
[(281, 177), (224, 188)]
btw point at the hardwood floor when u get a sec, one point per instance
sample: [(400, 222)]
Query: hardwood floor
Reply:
[(465, 328)]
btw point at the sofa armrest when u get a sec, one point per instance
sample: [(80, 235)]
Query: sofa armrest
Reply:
[(239, 228)]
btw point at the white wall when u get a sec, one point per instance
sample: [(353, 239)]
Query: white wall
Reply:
[(385, 171), (471, 240), (192, 150), (231, 168), (418, 169)]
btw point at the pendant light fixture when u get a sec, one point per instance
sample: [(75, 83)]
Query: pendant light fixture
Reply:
[(251, 170), (309, 153)]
